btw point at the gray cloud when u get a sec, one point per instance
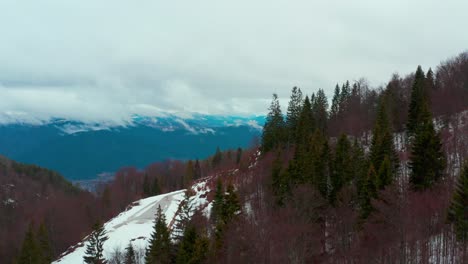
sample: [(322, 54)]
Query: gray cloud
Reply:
[(102, 61)]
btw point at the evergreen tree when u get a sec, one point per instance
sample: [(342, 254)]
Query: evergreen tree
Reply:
[(335, 107), (280, 180), (273, 131), (382, 146), (293, 112), (146, 186), (319, 160), (344, 96), (44, 244), (458, 211), (185, 212), (430, 81), (218, 201), (130, 254), (30, 251), (231, 206), (218, 156), (193, 248), (319, 110), (368, 193), (155, 188), (189, 174), (305, 126), (418, 98), (385, 174), (359, 165), (159, 244), (197, 170), (342, 167), (427, 161), (94, 249), (238, 155)]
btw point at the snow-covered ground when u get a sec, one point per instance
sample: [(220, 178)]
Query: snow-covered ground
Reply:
[(135, 225)]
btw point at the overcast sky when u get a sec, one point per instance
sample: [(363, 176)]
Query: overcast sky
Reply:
[(106, 60)]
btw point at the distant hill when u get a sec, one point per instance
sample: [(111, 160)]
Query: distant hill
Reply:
[(82, 151)]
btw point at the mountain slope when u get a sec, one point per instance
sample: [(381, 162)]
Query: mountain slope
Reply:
[(135, 225)]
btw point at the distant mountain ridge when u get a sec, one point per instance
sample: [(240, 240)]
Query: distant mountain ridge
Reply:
[(82, 150)]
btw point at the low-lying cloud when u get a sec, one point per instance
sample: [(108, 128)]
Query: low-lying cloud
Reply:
[(103, 61)]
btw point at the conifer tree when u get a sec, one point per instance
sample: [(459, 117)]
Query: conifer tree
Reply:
[(44, 244), (335, 107), (146, 186), (273, 131), (305, 126), (458, 211), (418, 98), (342, 167), (130, 254), (368, 193), (280, 180), (344, 96), (382, 146), (185, 212), (218, 201), (427, 161), (94, 249), (293, 112), (360, 166), (319, 110), (159, 249), (193, 248), (155, 188), (231, 205), (319, 157), (218, 156), (30, 251), (238, 155), (430, 81), (197, 170), (189, 174)]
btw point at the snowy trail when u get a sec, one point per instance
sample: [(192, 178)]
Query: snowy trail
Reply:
[(135, 225)]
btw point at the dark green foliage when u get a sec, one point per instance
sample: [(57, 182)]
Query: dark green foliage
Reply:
[(238, 155), (146, 186), (30, 251), (418, 98), (359, 165), (218, 201), (94, 249), (344, 96), (385, 174), (231, 204), (319, 110), (382, 146), (342, 167), (274, 129), (430, 80), (458, 211), (185, 212), (159, 248), (280, 181), (130, 254), (293, 113), (427, 161), (368, 192), (155, 188), (335, 107), (218, 156), (197, 170), (193, 248), (44, 244), (189, 174)]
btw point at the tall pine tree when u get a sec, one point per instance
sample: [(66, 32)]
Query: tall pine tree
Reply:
[(293, 112), (319, 110), (159, 249), (382, 145), (130, 254), (427, 161), (274, 129), (418, 98), (30, 252), (458, 211), (94, 249)]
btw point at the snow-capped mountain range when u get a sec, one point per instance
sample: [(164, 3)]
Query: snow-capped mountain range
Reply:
[(82, 150)]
